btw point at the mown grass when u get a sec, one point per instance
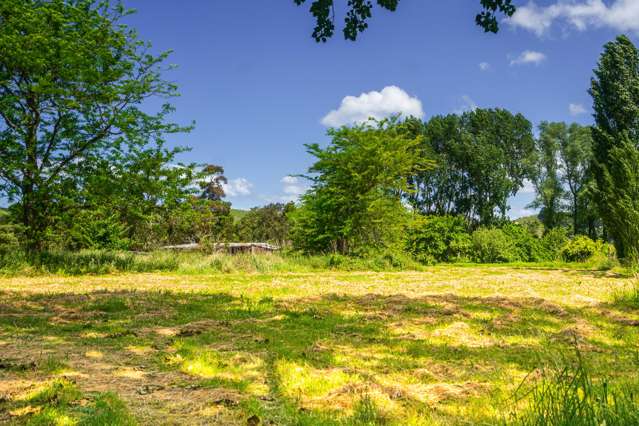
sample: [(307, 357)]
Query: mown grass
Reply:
[(447, 345)]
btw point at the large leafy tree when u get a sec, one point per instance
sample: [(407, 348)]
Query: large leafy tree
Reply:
[(615, 92), (563, 177), (72, 82), (547, 179), (576, 158), (482, 156), (359, 11), (355, 202)]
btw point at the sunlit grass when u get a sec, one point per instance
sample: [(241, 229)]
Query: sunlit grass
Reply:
[(448, 345)]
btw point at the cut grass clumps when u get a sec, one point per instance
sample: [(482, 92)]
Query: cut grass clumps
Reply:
[(59, 392), (569, 396)]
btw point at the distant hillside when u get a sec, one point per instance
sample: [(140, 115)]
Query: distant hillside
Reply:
[(238, 214)]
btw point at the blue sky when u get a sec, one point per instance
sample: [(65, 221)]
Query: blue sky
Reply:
[(258, 87)]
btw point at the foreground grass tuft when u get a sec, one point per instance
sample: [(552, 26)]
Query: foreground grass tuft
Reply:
[(107, 409), (628, 297), (569, 396)]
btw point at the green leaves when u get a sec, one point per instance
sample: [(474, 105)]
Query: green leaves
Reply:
[(72, 82), (615, 92), (360, 11), (358, 183), (482, 158), (487, 19)]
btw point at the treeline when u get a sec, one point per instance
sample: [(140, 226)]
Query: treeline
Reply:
[(439, 190), (84, 166)]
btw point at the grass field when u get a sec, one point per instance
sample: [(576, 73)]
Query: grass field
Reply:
[(449, 345)]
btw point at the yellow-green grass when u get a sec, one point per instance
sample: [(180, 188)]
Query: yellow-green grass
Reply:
[(448, 345)]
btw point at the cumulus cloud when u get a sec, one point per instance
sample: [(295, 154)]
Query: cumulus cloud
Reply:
[(528, 57), (620, 15), (293, 186), (357, 109), (576, 109), (484, 66), (237, 187)]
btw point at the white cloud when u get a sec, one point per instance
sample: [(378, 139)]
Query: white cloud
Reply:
[(293, 186), (357, 109), (468, 104), (620, 15), (528, 57), (237, 187), (484, 66), (576, 109)]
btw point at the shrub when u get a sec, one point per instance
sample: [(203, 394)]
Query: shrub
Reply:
[(439, 239), (492, 245), (579, 249), (532, 224), (526, 246), (553, 241), (9, 238), (98, 230)]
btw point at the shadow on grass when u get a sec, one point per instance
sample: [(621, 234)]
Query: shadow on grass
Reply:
[(333, 359)]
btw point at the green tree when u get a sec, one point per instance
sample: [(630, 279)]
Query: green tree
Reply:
[(547, 180), (212, 182), (615, 92), (563, 177), (359, 11), (269, 223), (576, 158), (358, 181), (72, 81), (146, 190), (482, 157)]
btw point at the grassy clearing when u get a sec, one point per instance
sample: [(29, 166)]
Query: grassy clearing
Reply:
[(447, 345)]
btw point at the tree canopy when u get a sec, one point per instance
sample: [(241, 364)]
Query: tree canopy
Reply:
[(72, 83), (355, 202), (482, 157)]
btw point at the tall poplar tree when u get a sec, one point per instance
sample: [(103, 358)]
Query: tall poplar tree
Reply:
[(615, 91)]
